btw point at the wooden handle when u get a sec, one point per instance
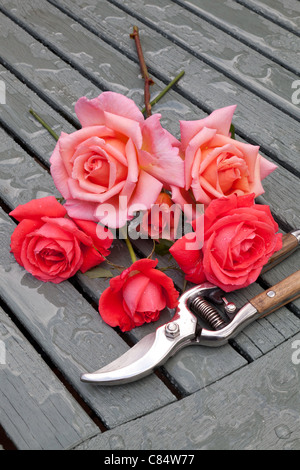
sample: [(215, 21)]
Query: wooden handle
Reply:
[(289, 245), (284, 292)]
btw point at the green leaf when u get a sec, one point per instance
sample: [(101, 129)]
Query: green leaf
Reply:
[(99, 272), (162, 248)]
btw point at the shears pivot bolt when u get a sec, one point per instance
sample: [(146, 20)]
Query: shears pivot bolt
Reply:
[(172, 330), (230, 307)]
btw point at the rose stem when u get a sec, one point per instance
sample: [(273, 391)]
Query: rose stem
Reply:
[(44, 124), (165, 90), (123, 230), (148, 80)]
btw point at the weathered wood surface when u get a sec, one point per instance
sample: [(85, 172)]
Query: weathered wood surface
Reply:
[(56, 51), (203, 84), (37, 411), (263, 35), (256, 408), (282, 12)]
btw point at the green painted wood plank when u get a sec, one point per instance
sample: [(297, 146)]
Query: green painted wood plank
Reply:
[(256, 408), (246, 26), (161, 54), (283, 12), (37, 412)]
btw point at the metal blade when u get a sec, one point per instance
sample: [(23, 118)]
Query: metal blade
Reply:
[(152, 351)]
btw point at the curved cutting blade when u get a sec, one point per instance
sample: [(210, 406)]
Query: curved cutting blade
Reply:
[(149, 353)]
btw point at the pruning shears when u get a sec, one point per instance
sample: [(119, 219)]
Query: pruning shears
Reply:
[(198, 322)]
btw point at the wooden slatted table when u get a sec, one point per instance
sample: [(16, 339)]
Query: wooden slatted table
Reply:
[(245, 395)]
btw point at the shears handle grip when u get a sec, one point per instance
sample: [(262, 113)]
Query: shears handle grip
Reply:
[(277, 296), (290, 243)]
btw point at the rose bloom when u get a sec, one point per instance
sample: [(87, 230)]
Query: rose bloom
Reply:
[(52, 247), (137, 296), (161, 221), (239, 238), (117, 163), (217, 165)]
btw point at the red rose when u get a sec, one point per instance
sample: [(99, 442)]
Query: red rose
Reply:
[(239, 238), (137, 296), (52, 247)]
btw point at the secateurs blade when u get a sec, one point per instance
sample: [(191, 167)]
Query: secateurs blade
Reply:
[(198, 322)]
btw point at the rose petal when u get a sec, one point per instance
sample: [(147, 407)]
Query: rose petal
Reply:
[(24, 228), (193, 152), (159, 156), (63, 228), (220, 120), (37, 208), (112, 311), (81, 209), (91, 112), (146, 193), (133, 289), (266, 167)]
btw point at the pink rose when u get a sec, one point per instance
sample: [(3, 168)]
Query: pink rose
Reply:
[(52, 247), (137, 296), (239, 238), (117, 163), (216, 165)]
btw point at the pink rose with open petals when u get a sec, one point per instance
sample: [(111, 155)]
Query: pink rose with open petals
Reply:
[(217, 165), (117, 163)]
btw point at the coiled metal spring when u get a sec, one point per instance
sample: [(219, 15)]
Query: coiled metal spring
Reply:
[(209, 313)]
